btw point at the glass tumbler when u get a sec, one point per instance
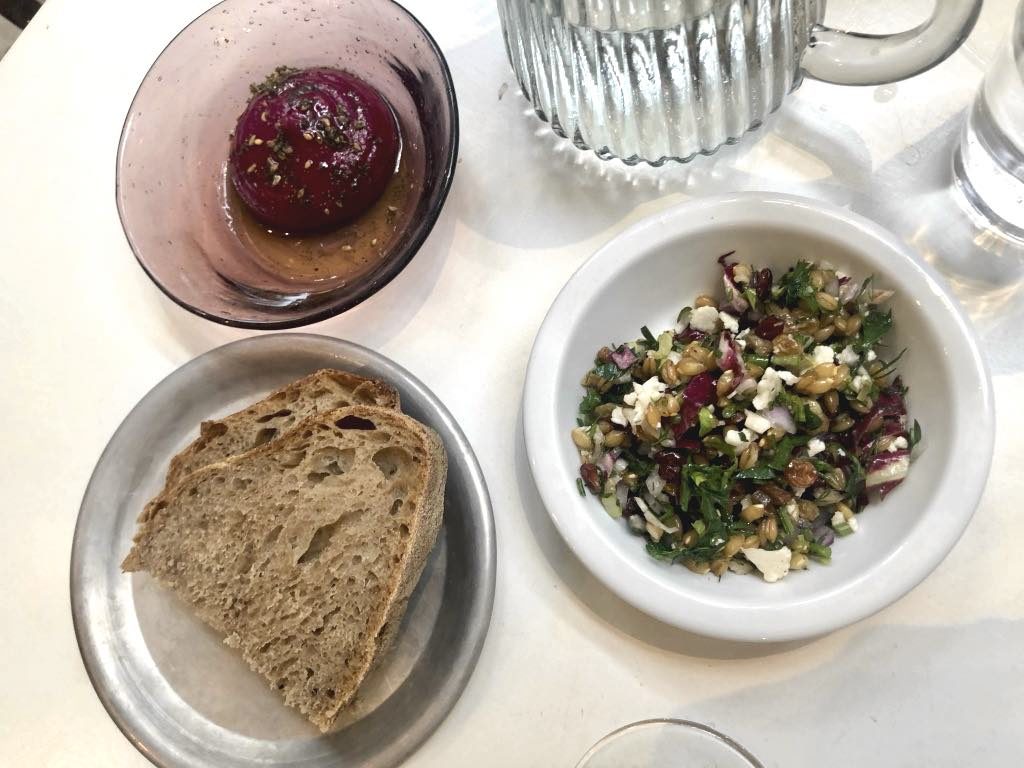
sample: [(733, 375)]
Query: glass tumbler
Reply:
[(656, 80), (667, 744), (988, 166)]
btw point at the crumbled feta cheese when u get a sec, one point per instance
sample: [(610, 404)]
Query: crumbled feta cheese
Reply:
[(815, 446), (729, 322), (772, 565), (757, 423), (741, 343), (674, 357), (642, 396), (704, 319), (870, 355), (822, 354), (838, 519), (848, 356), (743, 334), (792, 510), (788, 378), (840, 451), (861, 381), (769, 386), (734, 438), (619, 416), (899, 444), (854, 525)]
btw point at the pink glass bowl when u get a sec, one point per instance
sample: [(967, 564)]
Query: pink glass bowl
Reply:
[(183, 220)]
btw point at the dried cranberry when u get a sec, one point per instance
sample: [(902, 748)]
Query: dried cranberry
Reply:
[(669, 463), (763, 284), (688, 444), (632, 508), (593, 477), (770, 326)]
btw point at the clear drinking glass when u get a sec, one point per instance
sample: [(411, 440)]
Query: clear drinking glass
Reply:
[(656, 80), (988, 166), (667, 744)]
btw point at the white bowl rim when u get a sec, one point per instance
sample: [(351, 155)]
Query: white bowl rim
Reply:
[(756, 623)]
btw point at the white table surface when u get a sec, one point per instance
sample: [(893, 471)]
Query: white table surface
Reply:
[(935, 680)]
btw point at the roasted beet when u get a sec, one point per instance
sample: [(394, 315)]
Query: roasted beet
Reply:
[(701, 389), (313, 149), (763, 283), (689, 334)]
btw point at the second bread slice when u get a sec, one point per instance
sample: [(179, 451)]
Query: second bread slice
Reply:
[(271, 417), (304, 552)]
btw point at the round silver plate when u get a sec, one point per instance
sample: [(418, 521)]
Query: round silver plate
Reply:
[(176, 691)]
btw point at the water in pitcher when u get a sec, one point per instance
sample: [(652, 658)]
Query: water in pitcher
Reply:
[(989, 165), (653, 80)]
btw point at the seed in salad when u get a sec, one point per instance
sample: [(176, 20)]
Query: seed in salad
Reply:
[(705, 301), (752, 512), (763, 423), (581, 437)]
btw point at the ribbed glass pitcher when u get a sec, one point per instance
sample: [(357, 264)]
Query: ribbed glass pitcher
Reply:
[(656, 80)]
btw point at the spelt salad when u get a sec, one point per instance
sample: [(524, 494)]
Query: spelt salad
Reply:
[(753, 433)]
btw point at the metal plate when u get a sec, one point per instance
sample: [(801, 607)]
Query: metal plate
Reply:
[(181, 696)]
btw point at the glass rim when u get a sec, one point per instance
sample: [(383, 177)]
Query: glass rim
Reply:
[(729, 742)]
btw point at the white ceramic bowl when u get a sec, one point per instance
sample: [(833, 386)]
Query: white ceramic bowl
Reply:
[(644, 276)]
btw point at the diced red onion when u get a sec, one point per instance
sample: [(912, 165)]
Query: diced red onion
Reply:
[(885, 489), (736, 301), (823, 535), (622, 495), (655, 483), (624, 357), (848, 290), (887, 468), (606, 463), (781, 417), (730, 357)]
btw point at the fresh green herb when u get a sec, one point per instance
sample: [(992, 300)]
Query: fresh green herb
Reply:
[(273, 82), (760, 360), (843, 528), (784, 449), (607, 371), (587, 405), (854, 478), (717, 443), (819, 552), (756, 473), (915, 436), (795, 286), (793, 363), (706, 420), (890, 366), (648, 336), (786, 521), (579, 486), (874, 326), (751, 297)]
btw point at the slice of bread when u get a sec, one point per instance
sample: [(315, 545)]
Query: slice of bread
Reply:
[(304, 552), (271, 417)]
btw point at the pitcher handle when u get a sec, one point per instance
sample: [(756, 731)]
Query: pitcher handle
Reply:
[(852, 58)]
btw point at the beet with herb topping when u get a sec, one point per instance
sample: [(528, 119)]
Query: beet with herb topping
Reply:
[(313, 149)]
